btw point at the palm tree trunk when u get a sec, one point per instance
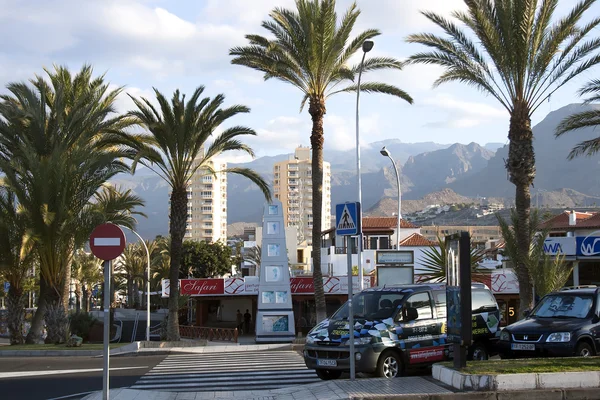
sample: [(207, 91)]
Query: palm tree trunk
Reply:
[(66, 289), (317, 112), (35, 331), (521, 168), (85, 300), (177, 231), (16, 314), (130, 298)]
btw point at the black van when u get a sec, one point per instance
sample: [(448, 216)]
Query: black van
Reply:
[(396, 328)]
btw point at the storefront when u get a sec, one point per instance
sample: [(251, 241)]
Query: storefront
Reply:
[(216, 301)]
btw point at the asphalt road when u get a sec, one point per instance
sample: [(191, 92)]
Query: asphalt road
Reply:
[(44, 378)]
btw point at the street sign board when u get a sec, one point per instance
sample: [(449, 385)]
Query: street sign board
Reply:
[(107, 241), (6, 287), (347, 219)]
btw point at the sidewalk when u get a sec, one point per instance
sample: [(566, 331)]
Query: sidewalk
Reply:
[(338, 389)]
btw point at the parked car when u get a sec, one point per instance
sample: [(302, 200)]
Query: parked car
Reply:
[(397, 328), (563, 324)]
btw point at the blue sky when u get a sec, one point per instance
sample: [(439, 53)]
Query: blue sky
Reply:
[(171, 44)]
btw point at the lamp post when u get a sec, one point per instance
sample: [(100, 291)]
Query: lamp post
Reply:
[(147, 283), (386, 153), (366, 47)]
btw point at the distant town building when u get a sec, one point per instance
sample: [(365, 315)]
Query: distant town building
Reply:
[(207, 204), (479, 234), (292, 185)]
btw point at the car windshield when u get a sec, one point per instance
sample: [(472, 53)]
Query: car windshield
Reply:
[(371, 306), (563, 306)]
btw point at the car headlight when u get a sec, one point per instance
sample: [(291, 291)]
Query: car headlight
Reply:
[(559, 337), (310, 340), (362, 340), (504, 335)]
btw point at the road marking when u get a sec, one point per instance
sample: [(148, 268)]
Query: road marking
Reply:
[(4, 375), (69, 396), (107, 241), (227, 372)]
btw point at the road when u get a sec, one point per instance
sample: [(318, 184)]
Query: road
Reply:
[(43, 378), (249, 370)]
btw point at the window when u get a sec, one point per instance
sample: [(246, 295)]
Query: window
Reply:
[(482, 300), (422, 303)]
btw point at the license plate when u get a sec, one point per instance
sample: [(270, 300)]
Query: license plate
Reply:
[(522, 346), (327, 363)]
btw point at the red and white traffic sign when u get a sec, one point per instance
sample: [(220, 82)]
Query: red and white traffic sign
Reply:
[(107, 241)]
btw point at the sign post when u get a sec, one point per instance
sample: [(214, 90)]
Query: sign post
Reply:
[(347, 222), (458, 295), (107, 242)]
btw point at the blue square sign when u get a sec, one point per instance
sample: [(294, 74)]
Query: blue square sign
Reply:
[(347, 219)]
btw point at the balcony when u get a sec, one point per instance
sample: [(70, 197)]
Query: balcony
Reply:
[(291, 167)]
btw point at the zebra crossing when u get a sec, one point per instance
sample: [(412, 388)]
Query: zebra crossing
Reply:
[(243, 370)]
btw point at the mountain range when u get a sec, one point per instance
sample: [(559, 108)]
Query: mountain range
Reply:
[(448, 173)]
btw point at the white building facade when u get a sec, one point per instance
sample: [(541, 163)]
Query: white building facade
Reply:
[(292, 185), (207, 204)]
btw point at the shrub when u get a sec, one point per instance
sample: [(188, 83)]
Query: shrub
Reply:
[(81, 323), (57, 324)]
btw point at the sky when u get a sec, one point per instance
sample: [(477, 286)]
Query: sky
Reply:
[(182, 44)]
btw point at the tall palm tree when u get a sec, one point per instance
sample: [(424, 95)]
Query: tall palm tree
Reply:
[(16, 260), (585, 119), (520, 54), (179, 132), (60, 141), (311, 51)]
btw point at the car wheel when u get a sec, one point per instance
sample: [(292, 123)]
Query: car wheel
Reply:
[(389, 365), (328, 374), (584, 350), (479, 352)]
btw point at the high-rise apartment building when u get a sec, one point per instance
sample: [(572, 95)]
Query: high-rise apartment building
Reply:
[(292, 184), (207, 205)]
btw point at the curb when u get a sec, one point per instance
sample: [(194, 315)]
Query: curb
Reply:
[(537, 394), (129, 348)]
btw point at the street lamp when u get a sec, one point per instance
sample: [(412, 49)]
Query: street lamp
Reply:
[(147, 283), (386, 153), (366, 47)]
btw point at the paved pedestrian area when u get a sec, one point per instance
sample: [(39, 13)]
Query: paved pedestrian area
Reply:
[(227, 371), (338, 389)]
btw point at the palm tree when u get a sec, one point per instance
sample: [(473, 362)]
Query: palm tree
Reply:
[(434, 262), (60, 141), (131, 266), (253, 255), (311, 51), (584, 119), (548, 273), (87, 271), (520, 57), (16, 260), (180, 131)]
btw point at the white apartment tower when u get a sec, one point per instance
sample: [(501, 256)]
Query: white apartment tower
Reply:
[(292, 184), (207, 204)]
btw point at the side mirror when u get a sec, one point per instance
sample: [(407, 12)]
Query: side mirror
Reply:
[(526, 313), (410, 314)]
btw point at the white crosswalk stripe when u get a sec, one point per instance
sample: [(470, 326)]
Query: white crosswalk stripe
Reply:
[(252, 370)]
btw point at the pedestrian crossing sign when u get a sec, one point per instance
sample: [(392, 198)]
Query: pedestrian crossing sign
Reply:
[(347, 221)]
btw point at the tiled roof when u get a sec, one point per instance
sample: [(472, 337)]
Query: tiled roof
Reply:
[(385, 222), (591, 222), (417, 240), (561, 221)]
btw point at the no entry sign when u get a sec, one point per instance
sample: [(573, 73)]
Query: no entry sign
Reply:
[(107, 241)]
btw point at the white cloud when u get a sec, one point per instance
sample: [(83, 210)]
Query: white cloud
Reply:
[(460, 113), (449, 102)]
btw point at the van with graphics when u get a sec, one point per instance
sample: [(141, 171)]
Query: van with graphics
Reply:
[(397, 328)]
